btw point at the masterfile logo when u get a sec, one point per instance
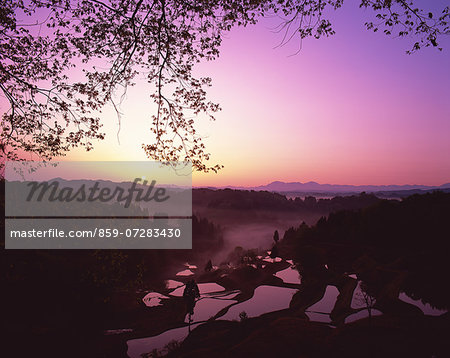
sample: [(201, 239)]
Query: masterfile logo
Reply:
[(98, 205), (97, 193)]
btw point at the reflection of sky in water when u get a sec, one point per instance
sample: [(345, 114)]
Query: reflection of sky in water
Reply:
[(425, 307), (233, 294), (266, 299), (217, 299), (189, 266), (271, 260), (318, 317), (170, 284), (289, 275), (152, 299), (136, 347), (185, 273), (361, 314), (327, 302), (207, 308), (358, 298), (204, 288)]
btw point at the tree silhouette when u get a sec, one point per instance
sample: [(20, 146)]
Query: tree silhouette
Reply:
[(367, 298), (46, 111), (274, 251), (276, 236)]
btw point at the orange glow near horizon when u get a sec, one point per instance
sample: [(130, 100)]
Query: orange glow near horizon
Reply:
[(350, 109)]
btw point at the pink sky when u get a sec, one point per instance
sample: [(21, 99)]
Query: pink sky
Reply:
[(350, 109)]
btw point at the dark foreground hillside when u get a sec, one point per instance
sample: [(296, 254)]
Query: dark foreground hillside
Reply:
[(392, 248), (61, 302)]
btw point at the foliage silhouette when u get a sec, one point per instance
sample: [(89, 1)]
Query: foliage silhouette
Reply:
[(408, 236), (116, 42)]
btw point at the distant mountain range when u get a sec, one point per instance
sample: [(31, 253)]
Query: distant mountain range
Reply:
[(279, 186), (283, 187)]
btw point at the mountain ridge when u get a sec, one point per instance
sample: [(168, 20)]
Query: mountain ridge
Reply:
[(311, 186)]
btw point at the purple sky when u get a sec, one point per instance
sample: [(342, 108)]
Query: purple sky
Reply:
[(350, 109)]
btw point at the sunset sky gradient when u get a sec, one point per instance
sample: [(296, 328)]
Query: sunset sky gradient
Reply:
[(350, 109)]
